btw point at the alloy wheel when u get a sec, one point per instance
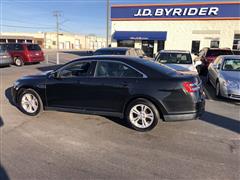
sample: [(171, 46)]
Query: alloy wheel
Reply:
[(29, 103), (141, 116)]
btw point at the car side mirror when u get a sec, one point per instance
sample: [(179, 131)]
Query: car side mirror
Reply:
[(54, 75), (140, 56), (219, 66)]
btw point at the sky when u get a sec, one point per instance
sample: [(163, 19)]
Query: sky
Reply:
[(77, 16)]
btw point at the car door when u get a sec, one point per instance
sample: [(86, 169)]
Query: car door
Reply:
[(213, 70), (63, 88), (114, 82)]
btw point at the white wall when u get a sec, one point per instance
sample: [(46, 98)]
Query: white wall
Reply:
[(181, 33)]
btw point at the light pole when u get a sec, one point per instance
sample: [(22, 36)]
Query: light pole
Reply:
[(107, 30), (57, 14)]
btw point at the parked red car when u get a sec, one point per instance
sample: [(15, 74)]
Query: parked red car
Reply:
[(25, 53), (208, 55)]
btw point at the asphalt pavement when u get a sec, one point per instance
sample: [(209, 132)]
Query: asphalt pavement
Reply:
[(60, 145)]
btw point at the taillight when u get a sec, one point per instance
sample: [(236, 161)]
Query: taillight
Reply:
[(190, 87)]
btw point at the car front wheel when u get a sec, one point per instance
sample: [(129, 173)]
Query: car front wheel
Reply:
[(30, 103), (142, 115)]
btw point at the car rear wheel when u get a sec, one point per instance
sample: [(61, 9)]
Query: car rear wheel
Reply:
[(18, 61), (30, 102), (142, 115)]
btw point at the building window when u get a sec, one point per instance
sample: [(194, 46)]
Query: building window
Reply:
[(214, 44), (236, 42), (161, 45), (126, 43), (195, 47)]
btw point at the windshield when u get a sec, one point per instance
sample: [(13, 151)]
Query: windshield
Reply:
[(231, 65), (174, 58), (110, 52), (216, 53), (33, 47)]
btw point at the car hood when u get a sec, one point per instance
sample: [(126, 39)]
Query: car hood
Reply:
[(231, 75), (41, 75), (182, 67)]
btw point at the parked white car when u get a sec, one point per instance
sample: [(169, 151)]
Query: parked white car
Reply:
[(178, 60)]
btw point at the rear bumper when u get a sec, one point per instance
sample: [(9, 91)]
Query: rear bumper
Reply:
[(200, 108), (34, 59)]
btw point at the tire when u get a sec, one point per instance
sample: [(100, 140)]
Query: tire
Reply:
[(217, 90), (142, 115), (199, 69), (30, 103), (207, 79), (18, 61)]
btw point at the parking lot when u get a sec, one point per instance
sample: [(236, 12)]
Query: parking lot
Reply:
[(59, 145)]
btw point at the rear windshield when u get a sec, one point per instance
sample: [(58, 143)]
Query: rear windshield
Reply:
[(33, 47), (158, 66), (175, 58), (216, 53), (3, 48), (110, 52)]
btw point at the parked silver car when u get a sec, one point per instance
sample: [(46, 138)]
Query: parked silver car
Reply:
[(5, 58), (224, 75)]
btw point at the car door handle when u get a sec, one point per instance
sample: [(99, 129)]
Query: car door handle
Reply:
[(125, 84)]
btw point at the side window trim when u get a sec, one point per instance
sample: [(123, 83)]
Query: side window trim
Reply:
[(89, 74), (96, 66)]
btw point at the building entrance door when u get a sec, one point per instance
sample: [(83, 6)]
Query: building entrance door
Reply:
[(147, 47)]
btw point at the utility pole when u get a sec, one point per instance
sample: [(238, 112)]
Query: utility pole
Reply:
[(107, 31), (57, 14)]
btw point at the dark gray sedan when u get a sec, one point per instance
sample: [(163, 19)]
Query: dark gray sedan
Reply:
[(5, 58), (224, 75)]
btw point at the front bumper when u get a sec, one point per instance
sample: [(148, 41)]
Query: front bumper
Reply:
[(5, 61), (230, 93)]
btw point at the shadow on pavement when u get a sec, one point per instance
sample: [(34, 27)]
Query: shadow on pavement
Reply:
[(221, 121), (118, 121), (8, 95), (80, 53), (3, 173)]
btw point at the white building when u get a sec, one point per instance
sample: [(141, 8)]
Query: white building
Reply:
[(48, 40), (189, 26)]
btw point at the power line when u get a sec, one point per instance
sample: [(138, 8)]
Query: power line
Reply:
[(27, 27)]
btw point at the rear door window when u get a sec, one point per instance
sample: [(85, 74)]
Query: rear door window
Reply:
[(33, 47), (115, 70)]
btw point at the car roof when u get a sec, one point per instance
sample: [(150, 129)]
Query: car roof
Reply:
[(114, 49), (230, 56), (174, 51)]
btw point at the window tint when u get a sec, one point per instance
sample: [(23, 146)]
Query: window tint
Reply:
[(3, 47), (175, 58), (15, 47), (76, 70), (110, 52), (33, 47), (215, 53), (115, 69), (231, 65)]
